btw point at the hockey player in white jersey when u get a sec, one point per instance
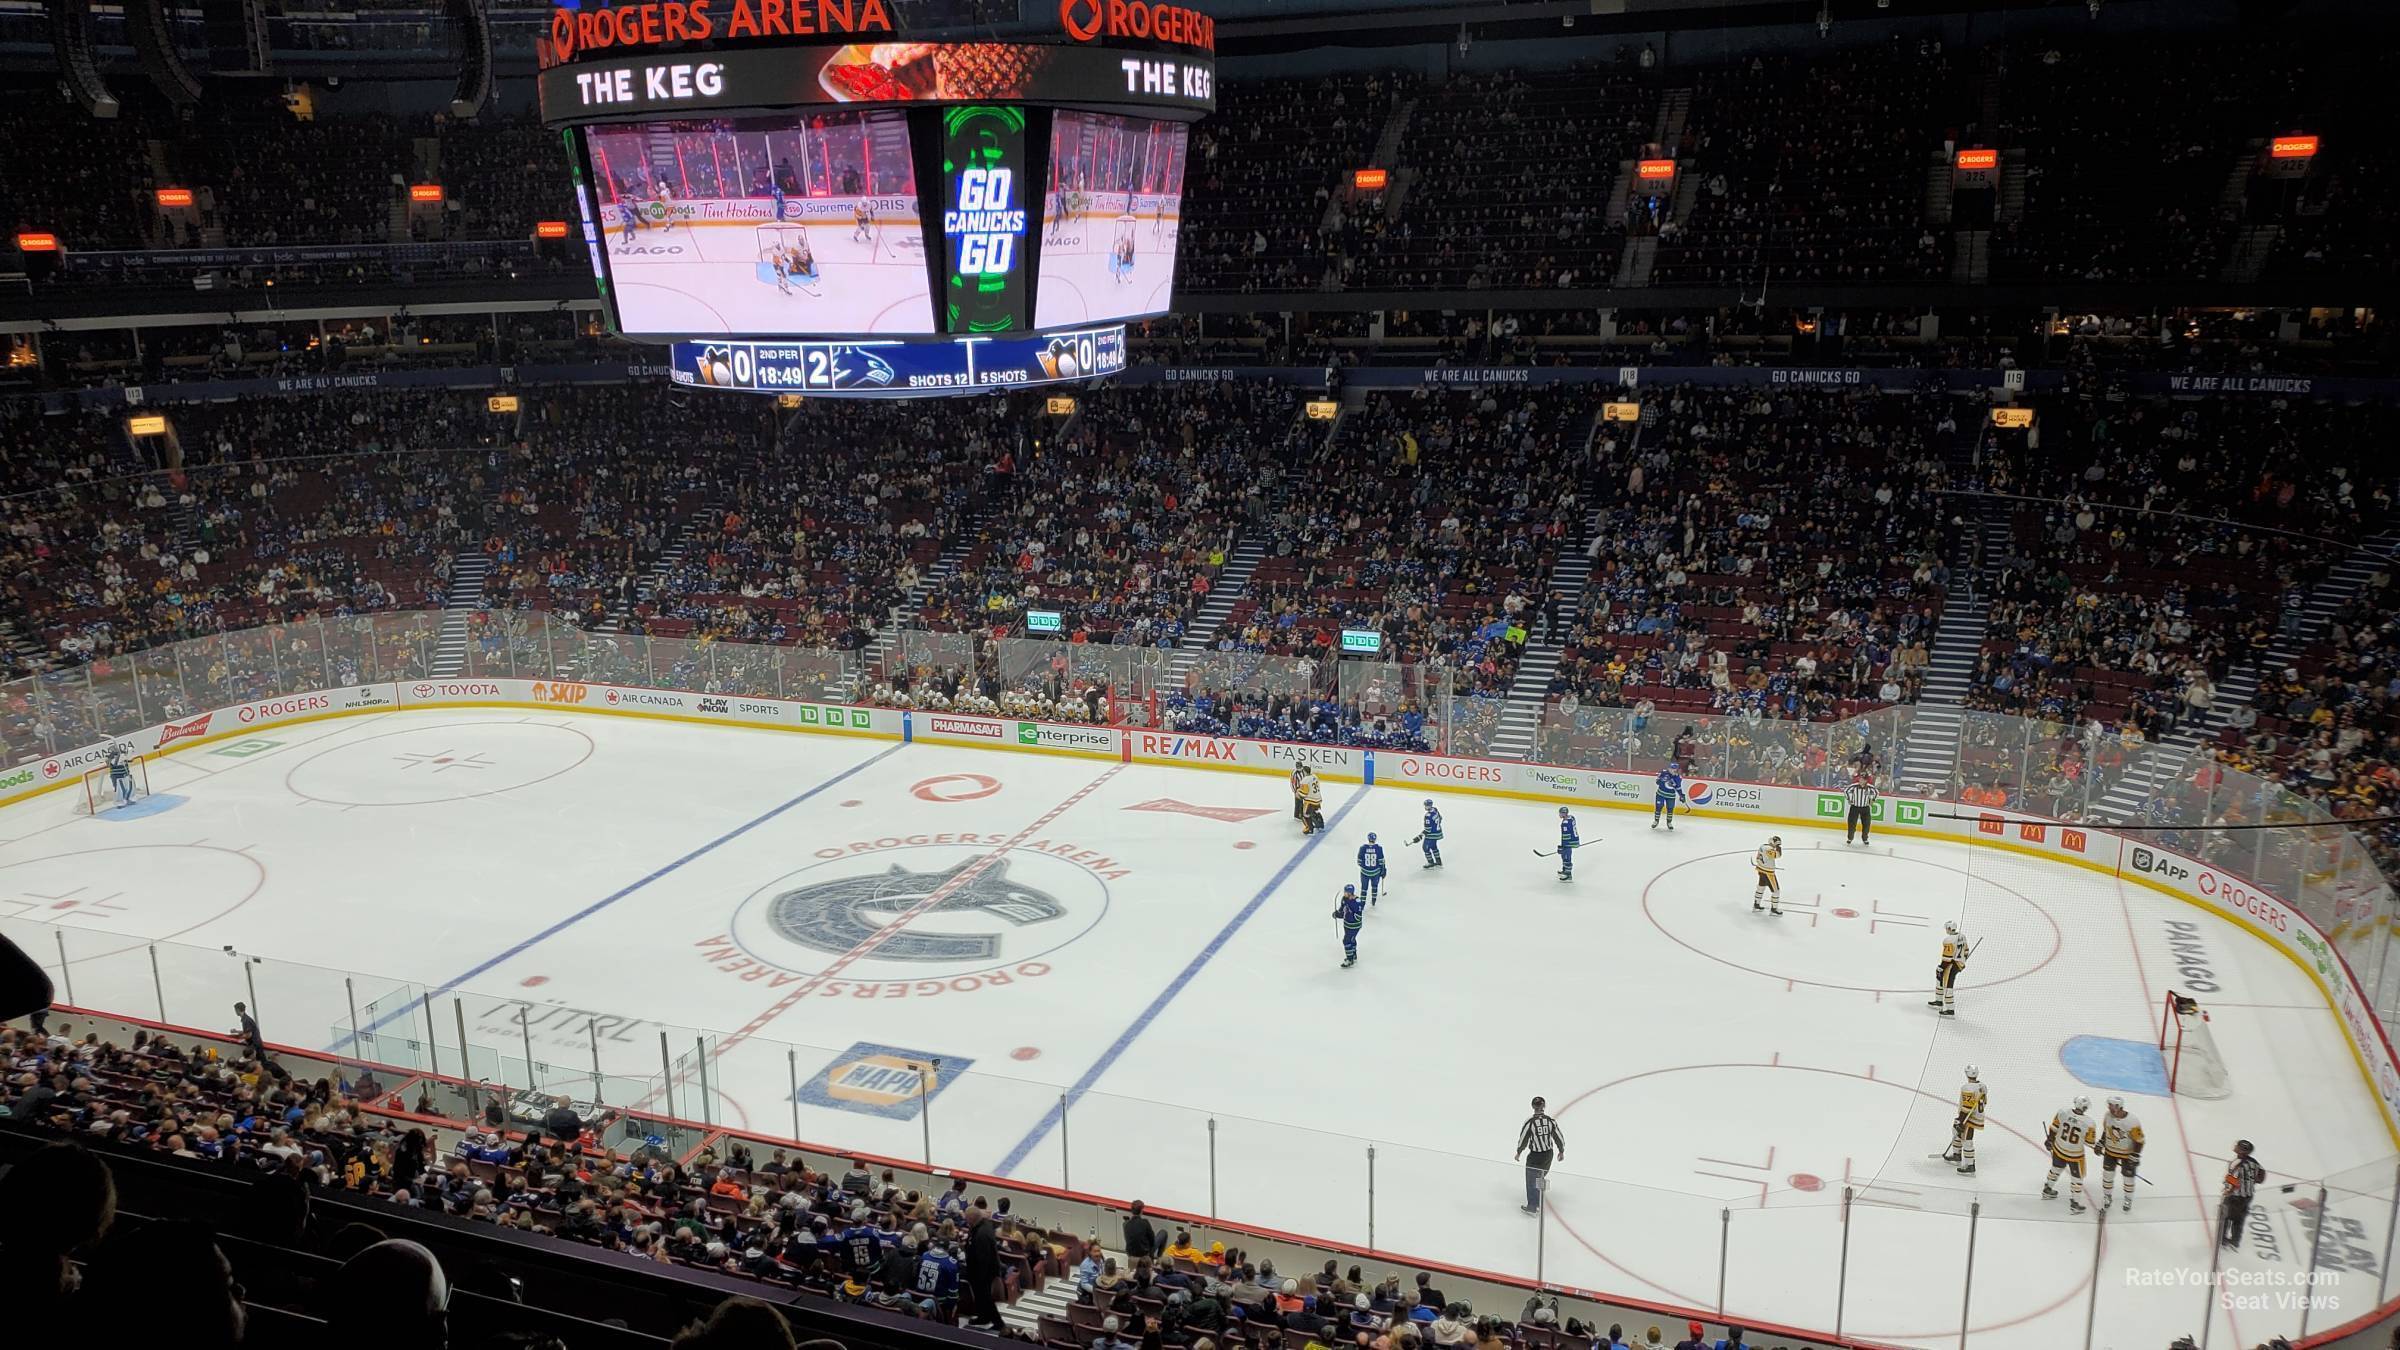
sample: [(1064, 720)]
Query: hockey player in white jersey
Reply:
[(1971, 1100), (1946, 970), (2120, 1150), (2070, 1130), (1763, 863)]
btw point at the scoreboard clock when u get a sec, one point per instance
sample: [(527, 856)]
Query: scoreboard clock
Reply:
[(983, 219)]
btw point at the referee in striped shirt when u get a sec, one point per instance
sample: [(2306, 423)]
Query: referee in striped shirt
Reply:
[(1861, 796), (2242, 1176), (1539, 1143)]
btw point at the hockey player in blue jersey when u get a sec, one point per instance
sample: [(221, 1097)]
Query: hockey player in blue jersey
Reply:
[(1568, 839), (1370, 870), (120, 775), (1431, 837), (1352, 912), (1670, 791)]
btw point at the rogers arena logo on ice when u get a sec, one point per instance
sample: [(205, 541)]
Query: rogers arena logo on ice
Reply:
[(283, 707), (180, 731), (960, 726)]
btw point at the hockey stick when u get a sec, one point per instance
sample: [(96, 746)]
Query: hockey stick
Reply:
[(1541, 854)]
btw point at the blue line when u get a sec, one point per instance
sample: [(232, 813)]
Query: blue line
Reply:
[(595, 907), (1049, 1122)]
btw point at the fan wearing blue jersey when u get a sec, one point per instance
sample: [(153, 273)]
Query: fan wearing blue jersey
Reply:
[(1431, 835), (1352, 912), (936, 1288), (1670, 791), (1370, 870), (1569, 838)]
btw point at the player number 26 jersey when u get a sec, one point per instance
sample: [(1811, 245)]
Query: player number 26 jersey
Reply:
[(2068, 1134)]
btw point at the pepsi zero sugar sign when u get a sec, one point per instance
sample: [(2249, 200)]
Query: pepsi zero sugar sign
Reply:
[(881, 1080)]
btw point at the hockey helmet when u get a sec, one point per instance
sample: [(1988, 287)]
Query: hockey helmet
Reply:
[(1951, 928), (2116, 1106), (1349, 890), (1370, 836), (1972, 1071), (2082, 1104)]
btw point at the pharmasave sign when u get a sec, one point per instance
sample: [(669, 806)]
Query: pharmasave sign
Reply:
[(971, 728)]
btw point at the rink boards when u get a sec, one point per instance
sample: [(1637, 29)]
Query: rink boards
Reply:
[(2266, 916)]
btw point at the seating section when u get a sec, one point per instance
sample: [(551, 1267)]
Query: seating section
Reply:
[(1812, 167), (1767, 555), (1511, 177), (2168, 541), (1262, 172)]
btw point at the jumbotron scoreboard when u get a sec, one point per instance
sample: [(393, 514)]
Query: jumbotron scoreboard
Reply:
[(801, 199)]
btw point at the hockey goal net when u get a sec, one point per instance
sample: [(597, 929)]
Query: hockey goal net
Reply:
[(2194, 1068), (99, 794)]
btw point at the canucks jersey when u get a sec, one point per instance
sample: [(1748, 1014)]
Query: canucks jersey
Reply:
[(937, 1275), (1352, 911), (1764, 860), (2070, 1130), (1670, 784), (1567, 834), (1370, 860), (1433, 822), (2121, 1136)]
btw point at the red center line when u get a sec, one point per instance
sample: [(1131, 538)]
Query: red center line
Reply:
[(892, 929)]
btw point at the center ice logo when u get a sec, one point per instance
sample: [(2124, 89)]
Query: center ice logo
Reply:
[(836, 916)]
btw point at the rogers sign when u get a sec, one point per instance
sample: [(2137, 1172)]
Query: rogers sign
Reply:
[(1450, 770), (2235, 895), (282, 707), (1092, 20)]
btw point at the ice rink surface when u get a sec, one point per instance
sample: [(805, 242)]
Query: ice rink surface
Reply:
[(1081, 283), (1146, 950), (708, 279)]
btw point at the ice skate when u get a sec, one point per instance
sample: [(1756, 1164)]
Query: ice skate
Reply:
[(1966, 1169), (2075, 1206), (2049, 1192)]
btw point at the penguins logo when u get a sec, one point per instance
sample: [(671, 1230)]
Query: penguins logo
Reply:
[(836, 916)]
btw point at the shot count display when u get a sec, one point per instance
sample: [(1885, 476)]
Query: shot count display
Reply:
[(891, 369)]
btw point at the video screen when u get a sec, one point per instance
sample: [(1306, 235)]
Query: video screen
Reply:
[(795, 223), (1112, 209)]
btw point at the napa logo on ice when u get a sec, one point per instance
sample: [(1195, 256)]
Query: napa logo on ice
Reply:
[(881, 1080)]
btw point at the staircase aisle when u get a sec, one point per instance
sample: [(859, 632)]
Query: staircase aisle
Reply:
[(669, 559), (953, 555), (467, 571), (1930, 755), (1232, 583), (1529, 692)]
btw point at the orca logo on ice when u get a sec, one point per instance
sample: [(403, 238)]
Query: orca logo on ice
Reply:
[(837, 916)]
